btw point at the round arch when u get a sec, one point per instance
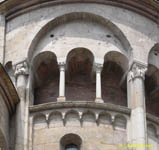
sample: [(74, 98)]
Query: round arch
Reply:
[(45, 76), (153, 56), (79, 75), (70, 139), (114, 87), (80, 15)]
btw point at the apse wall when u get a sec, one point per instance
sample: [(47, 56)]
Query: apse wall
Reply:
[(111, 34), (97, 129), (21, 30)]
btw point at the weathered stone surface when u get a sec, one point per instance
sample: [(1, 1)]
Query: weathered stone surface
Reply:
[(67, 41)]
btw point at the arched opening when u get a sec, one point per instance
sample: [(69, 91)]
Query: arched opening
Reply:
[(45, 78), (71, 147), (70, 142), (114, 31), (152, 82), (114, 79), (80, 85)]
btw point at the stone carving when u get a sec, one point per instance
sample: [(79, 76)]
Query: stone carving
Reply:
[(21, 69), (137, 70), (98, 67), (61, 66)]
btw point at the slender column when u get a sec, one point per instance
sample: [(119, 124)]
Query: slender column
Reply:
[(61, 97), (136, 101), (21, 73), (2, 37), (98, 83)]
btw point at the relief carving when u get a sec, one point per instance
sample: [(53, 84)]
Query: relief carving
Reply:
[(137, 71), (21, 69)]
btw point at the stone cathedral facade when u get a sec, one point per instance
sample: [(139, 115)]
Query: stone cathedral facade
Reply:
[(79, 74)]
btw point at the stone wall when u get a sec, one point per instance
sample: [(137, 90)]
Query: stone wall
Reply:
[(100, 29), (97, 133), (140, 31)]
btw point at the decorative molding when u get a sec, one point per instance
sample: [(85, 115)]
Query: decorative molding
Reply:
[(78, 104), (79, 115)]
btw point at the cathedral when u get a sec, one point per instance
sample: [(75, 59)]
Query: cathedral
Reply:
[(79, 74)]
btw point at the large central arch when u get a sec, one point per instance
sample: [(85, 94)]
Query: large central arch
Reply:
[(117, 33)]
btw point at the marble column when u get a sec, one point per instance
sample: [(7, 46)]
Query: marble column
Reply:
[(136, 101), (21, 74), (98, 68), (61, 97), (2, 37)]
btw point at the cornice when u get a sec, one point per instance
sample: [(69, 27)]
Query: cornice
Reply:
[(147, 8), (79, 104)]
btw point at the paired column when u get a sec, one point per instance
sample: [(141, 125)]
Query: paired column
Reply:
[(98, 68), (21, 74), (61, 97), (136, 101)]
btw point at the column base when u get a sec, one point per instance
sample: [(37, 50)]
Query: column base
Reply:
[(99, 100), (61, 99)]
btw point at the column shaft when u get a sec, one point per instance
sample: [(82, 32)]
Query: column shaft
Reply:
[(21, 76), (62, 83), (98, 83), (98, 86), (2, 37), (136, 101)]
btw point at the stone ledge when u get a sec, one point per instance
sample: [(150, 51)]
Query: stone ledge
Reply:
[(79, 104)]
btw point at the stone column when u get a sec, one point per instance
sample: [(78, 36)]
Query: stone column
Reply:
[(2, 37), (21, 73), (136, 101), (61, 97), (98, 83)]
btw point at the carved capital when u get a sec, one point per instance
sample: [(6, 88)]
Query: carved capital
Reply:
[(138, 70), (21, 69), (98, 67), (61, 66)]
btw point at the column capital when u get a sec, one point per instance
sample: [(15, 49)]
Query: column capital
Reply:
[(21, 68), (62, 65), (137, 70), (98, 67)]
